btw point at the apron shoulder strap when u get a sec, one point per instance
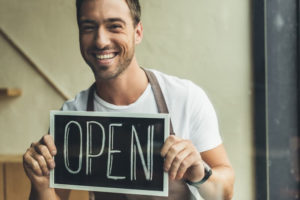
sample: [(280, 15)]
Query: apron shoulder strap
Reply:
[(158, 95), (90, 101)]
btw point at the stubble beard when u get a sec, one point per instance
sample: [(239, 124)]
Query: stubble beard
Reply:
[(103, 74)]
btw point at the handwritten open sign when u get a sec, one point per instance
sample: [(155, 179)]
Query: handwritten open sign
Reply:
[(109, 152)]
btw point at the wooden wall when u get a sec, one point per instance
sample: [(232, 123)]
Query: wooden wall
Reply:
[(14, 183), (1, 183)]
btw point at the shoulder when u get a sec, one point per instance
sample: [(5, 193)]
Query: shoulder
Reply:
[(169, 80), (78, 103), (174, 87), (192, 112)]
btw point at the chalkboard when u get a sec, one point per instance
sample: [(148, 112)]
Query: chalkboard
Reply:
[(109, 152)]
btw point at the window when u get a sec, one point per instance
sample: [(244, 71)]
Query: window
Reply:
[(276, 71)]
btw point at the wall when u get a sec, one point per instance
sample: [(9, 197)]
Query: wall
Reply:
[(205, 41), (209, 42)]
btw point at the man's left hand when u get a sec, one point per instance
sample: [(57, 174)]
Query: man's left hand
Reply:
[(182, 159)]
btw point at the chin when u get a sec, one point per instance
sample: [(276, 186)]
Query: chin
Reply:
[(107, 75)]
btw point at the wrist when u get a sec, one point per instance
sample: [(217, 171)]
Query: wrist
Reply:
[(207, 174), (45, 193)]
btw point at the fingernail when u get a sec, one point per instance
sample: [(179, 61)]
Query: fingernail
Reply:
[(52, 165), (53, 152), (172, 176)]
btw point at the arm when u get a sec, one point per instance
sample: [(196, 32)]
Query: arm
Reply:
[(37, 163), (183, 161), (222, 178)]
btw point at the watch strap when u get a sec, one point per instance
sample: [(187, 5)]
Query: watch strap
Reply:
[(207, 174)]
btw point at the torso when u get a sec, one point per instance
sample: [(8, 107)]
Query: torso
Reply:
[(192, 115)]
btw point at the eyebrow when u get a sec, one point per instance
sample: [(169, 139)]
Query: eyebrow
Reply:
[(115, 20), (88, 21), (109, 20)]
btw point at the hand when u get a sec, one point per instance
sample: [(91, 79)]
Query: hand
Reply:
[(182, 159), (38, 161)]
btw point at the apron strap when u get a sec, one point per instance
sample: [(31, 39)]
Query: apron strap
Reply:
[(158, 95), (90, 101)]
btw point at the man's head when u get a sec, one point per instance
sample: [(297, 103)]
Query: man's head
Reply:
[(109, 31), (134, 7)]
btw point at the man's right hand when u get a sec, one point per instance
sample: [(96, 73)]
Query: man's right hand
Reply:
[(38, 161)]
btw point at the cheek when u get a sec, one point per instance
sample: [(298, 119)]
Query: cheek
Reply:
[(85, 45), (125, 45), (85, 41)]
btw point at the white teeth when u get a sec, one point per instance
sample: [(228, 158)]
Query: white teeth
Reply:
[(105, 56)]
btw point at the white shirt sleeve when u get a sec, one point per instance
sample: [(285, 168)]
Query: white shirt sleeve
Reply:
[(204, 130)]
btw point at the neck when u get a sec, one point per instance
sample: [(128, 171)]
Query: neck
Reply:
[(124, 89)]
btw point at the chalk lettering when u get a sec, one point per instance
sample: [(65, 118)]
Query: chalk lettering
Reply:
[(135, 148), (135, 144), (89, 147), (112, 151), (66, 145), (109, 152)]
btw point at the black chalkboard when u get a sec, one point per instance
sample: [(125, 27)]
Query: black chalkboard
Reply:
[(109, 152)]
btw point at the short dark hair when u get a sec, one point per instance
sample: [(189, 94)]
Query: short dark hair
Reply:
[(134, 7)]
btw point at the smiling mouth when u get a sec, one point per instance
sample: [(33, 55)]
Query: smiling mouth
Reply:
[(105, 56)]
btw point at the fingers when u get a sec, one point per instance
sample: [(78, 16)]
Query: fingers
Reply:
[(49, 142), (42, 163), (38, 159), (43, 155), (173, 155), (180, 156), (188, 163), (30, 164), (171, 140), (179, 165)]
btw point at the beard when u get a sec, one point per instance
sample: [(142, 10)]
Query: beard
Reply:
[(109, 72), (104, 73)]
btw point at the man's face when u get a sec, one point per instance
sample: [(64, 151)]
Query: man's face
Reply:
[(107, 37)]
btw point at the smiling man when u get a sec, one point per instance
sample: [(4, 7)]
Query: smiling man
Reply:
[(195, 158)]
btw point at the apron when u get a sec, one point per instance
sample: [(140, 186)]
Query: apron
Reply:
[(178, 190)]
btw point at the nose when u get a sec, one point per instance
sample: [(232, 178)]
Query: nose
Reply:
[(102, 38)]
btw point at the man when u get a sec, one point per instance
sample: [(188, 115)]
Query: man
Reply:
[(109, 31)]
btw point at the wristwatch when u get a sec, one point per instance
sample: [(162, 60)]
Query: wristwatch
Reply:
[(207, 174)]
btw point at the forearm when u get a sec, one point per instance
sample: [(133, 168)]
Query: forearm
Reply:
[(183, 161), (47, 194), (219, 185)]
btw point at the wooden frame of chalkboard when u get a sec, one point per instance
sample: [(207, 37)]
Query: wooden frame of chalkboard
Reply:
[(109, 152)]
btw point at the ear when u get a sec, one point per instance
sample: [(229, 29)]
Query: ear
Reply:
[(138, 33)]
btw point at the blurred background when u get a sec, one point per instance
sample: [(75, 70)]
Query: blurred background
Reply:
[(208, 42)]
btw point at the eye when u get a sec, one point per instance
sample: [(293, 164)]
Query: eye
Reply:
[(87, 28), (115, 26)]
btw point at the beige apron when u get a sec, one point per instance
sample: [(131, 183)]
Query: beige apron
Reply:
[(178, 190)]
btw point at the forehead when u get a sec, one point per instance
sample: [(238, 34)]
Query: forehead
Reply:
[(104, 9)]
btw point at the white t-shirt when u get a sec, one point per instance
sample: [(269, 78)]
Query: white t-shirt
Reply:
[(192, 115)]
